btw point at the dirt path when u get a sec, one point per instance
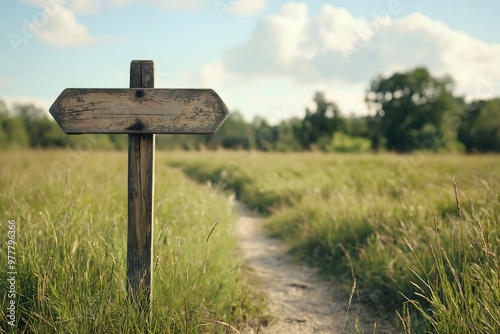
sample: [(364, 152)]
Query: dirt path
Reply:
[(298, 300)]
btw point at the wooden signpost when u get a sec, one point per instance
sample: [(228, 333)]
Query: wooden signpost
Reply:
[(141, 112)]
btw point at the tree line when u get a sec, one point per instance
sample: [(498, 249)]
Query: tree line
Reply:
[(409, 111)]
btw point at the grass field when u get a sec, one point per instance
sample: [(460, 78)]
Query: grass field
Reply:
[(420, 234), (415, 241), (70, 249)]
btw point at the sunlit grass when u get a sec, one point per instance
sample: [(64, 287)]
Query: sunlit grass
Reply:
[(391, 220), (71, 249)]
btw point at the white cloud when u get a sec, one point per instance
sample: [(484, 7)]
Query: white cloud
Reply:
[(120, 2), (334, 28), (335, 50), (77, 6), (163, 4), (63, 30), (177, 4), (214, 74), (445, 51), (85, 6), (275, 44), (247, 7), (57, 25)]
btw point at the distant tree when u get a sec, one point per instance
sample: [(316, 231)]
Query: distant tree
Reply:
[(46, 133), (322, 122), (4, 140), (35, 121), (15, 134), (4, 114), (29, 112), (287, 135), (235, 133), (12, 129), (3, 109), (480, 127), (356, 126), (266, 135), (410, 110)]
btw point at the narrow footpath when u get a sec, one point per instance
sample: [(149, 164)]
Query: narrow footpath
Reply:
[(299, 301)]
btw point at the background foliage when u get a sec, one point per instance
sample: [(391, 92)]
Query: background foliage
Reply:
[(411, 111)]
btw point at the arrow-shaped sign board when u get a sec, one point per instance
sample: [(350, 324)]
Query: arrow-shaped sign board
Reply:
[(139, 111)]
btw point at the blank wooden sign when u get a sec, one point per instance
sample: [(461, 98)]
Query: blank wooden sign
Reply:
[(134, 111)]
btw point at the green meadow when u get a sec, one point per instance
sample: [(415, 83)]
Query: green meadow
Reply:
[(70, 249), (418, 234)]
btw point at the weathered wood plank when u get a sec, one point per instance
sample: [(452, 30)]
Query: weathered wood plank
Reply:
[(141, 160), (139, 110)]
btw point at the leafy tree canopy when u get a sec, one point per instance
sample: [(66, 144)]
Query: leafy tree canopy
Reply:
[(410, 108)]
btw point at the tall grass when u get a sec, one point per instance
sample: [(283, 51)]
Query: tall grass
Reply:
[(464, 293), (394, 219), (71, 250)]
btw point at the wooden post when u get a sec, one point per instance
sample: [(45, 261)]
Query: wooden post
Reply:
[(141, 148), (140, 112)]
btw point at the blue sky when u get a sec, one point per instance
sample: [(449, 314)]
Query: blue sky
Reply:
[(263, 58)]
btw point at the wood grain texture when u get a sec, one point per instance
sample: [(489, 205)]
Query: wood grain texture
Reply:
[(139, 110), (141, 160)]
